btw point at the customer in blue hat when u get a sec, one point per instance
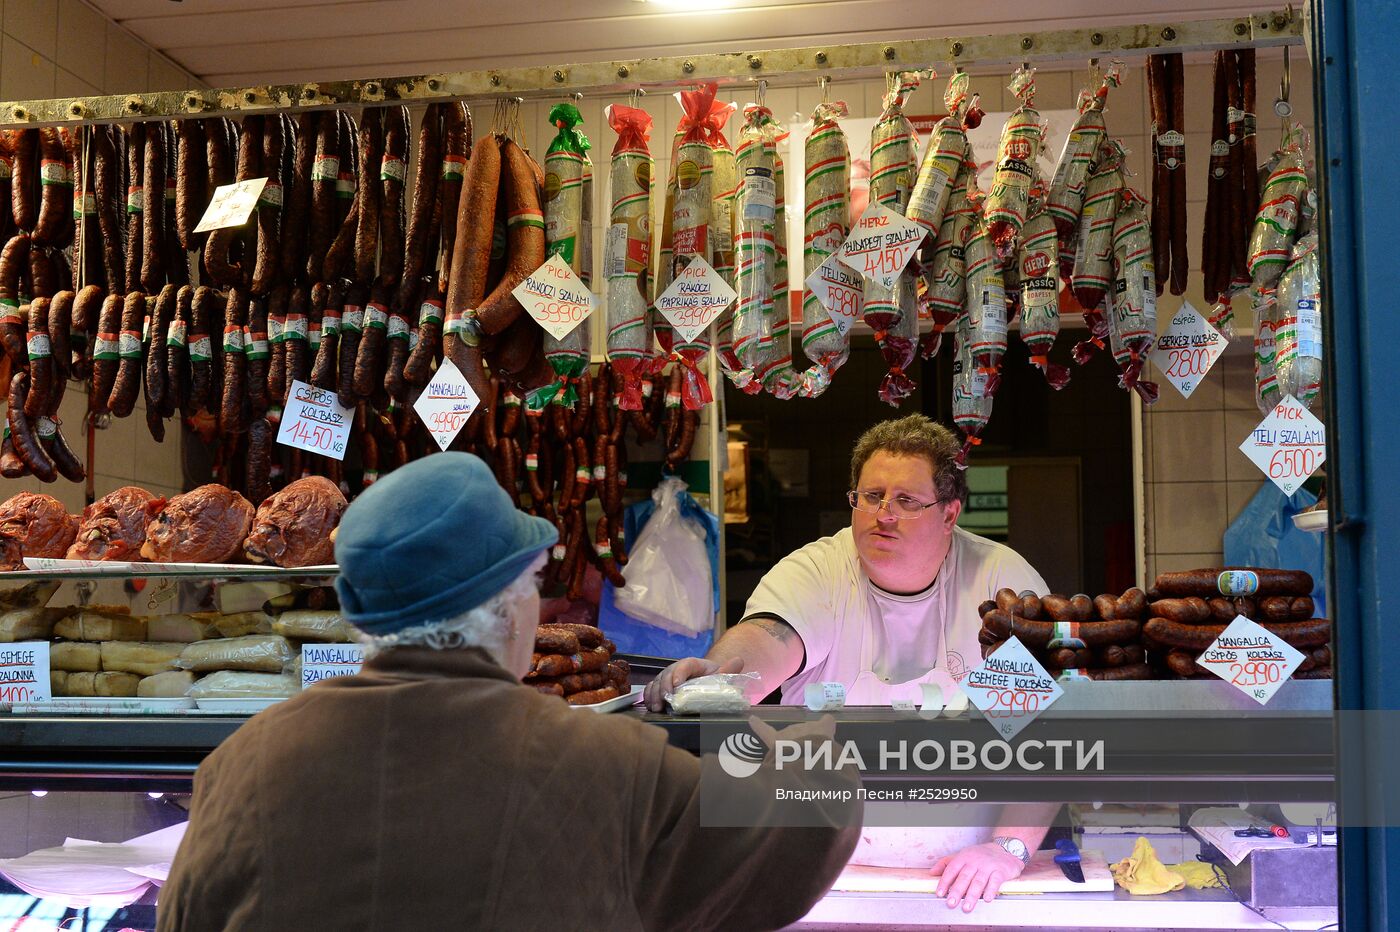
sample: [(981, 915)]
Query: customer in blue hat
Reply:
[(433, 790)]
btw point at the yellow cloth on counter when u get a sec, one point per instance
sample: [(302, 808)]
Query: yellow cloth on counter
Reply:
[(1142, 873)]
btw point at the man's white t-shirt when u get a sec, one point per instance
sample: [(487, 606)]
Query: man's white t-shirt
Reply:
[(849, 625)]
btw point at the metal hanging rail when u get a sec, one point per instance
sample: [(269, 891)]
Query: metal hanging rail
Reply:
[(1273, 28)]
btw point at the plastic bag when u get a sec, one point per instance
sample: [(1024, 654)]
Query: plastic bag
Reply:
[(1264, 535), (668, 575), (716, 694)]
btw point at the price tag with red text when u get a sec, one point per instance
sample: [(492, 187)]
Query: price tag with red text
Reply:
[(24, 672), (839, 290), (1288, 445), (881, 244), (315, 421), (1187, 350), (1251, 658), (1011, 688), (556, 297), (446, 403), (695, 299)]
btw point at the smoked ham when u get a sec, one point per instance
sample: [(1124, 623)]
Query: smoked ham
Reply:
[(114, 526), (207, 525), (293, 527), (34, 525)]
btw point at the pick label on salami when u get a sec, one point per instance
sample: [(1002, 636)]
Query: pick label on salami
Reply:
[(1289, 445), (1011, 688), (839, 290), (696, 297), (881, 244), (231, 205), (1251, 658), (1187, 350), (315, 421), (446, 404), (556, 297)]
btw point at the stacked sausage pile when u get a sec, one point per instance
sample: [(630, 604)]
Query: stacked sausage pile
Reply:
[(1075, 636), (1189, 611), (211, 524), (575, 662)]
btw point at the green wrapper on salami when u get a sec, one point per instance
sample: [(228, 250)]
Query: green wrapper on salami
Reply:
[(1093, 256), (1038, 263), (1280, 208), (755, 246), (628, 251), (825, 223), (892, 168), (565, 164), (1021, 140), (1132, 324), (943, 159)]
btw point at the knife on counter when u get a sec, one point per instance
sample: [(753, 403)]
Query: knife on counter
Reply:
[(1067, 856)]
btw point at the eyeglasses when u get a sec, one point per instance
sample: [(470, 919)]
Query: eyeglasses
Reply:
[(901, 506)]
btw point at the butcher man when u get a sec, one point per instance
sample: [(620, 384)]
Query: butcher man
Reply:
[(884, 607)]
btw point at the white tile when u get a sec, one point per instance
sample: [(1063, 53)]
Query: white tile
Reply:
[(69, 84), (1188, 447), (127, 68), (35, 23), (24, 73), (1238, 425), (1191, 516), (82, 41), (1180, 562)]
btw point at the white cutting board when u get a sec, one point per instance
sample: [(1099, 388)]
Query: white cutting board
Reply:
[(1042, 875)]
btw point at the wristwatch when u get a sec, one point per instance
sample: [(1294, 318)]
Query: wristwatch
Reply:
[(1014, 847)]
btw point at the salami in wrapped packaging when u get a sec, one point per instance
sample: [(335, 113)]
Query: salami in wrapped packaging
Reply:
[(776, 373), (945, 275), (564, 165), (1039, 265), (755, 246), (943, 159), (628, 251), (1276, 224), (985, 303), (1266, 321), (1021, 139), (1133, 317), (826, 222), (1298, 344), (972, 401), (892, 160), (690, 226), (1077, 160), (1093, 258), (724, 225)]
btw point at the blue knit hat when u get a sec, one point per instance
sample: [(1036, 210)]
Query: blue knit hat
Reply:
[(430, 541)]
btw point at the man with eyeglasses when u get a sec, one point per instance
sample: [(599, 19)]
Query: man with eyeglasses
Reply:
[(883, 608)]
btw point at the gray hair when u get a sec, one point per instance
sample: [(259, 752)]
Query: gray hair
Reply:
[(915, 435), (485, 626)]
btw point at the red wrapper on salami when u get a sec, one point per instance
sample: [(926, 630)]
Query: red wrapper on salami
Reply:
[(1038, 263), (690, 226), (945, 274), (943, 160), (972, 397), (1078, 158), (826, 221), (628, 250), (892, 162), (776, 373), (1093, 258), (985, 303), (755, 247), (1021, 140), (1132, 307)]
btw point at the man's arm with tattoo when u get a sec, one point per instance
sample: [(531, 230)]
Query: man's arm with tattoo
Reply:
[(762, 644)]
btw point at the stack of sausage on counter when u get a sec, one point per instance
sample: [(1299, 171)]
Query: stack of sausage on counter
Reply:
[(210, 524), (575, 662), (1074, 636), (105, 651), (1189, 611)]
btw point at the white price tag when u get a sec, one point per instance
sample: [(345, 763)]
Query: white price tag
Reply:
[(231, 205), (1288, 445), (556, 297), (696, 297), (315, 421), (1187, 350), (446, 404), (881, 244), (1251, 658), (839, 290), (1011, 688), (24, 672), (325, 661)]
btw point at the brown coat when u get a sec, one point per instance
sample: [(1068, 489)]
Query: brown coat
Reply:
[(433, 791)]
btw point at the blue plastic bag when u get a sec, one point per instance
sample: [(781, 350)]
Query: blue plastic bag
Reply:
[(1264, 535), (637, 637)]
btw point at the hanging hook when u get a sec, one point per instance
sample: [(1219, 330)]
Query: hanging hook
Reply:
[(824, 82), (762, 91), (1282, 107)]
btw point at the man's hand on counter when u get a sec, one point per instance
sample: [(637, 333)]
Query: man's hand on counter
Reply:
[(975, 873), (679, 672)]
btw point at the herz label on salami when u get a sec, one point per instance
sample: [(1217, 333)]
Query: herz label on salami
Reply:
[(1289, 445), (446, 404), (1187, 350), (1251, 658), (315, 421), (881, 244), (1011, 688), (556, 297), (696, 297), (231, 205), (839, 290)]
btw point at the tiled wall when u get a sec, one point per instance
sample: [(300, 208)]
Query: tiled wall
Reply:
[(60, 49)]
